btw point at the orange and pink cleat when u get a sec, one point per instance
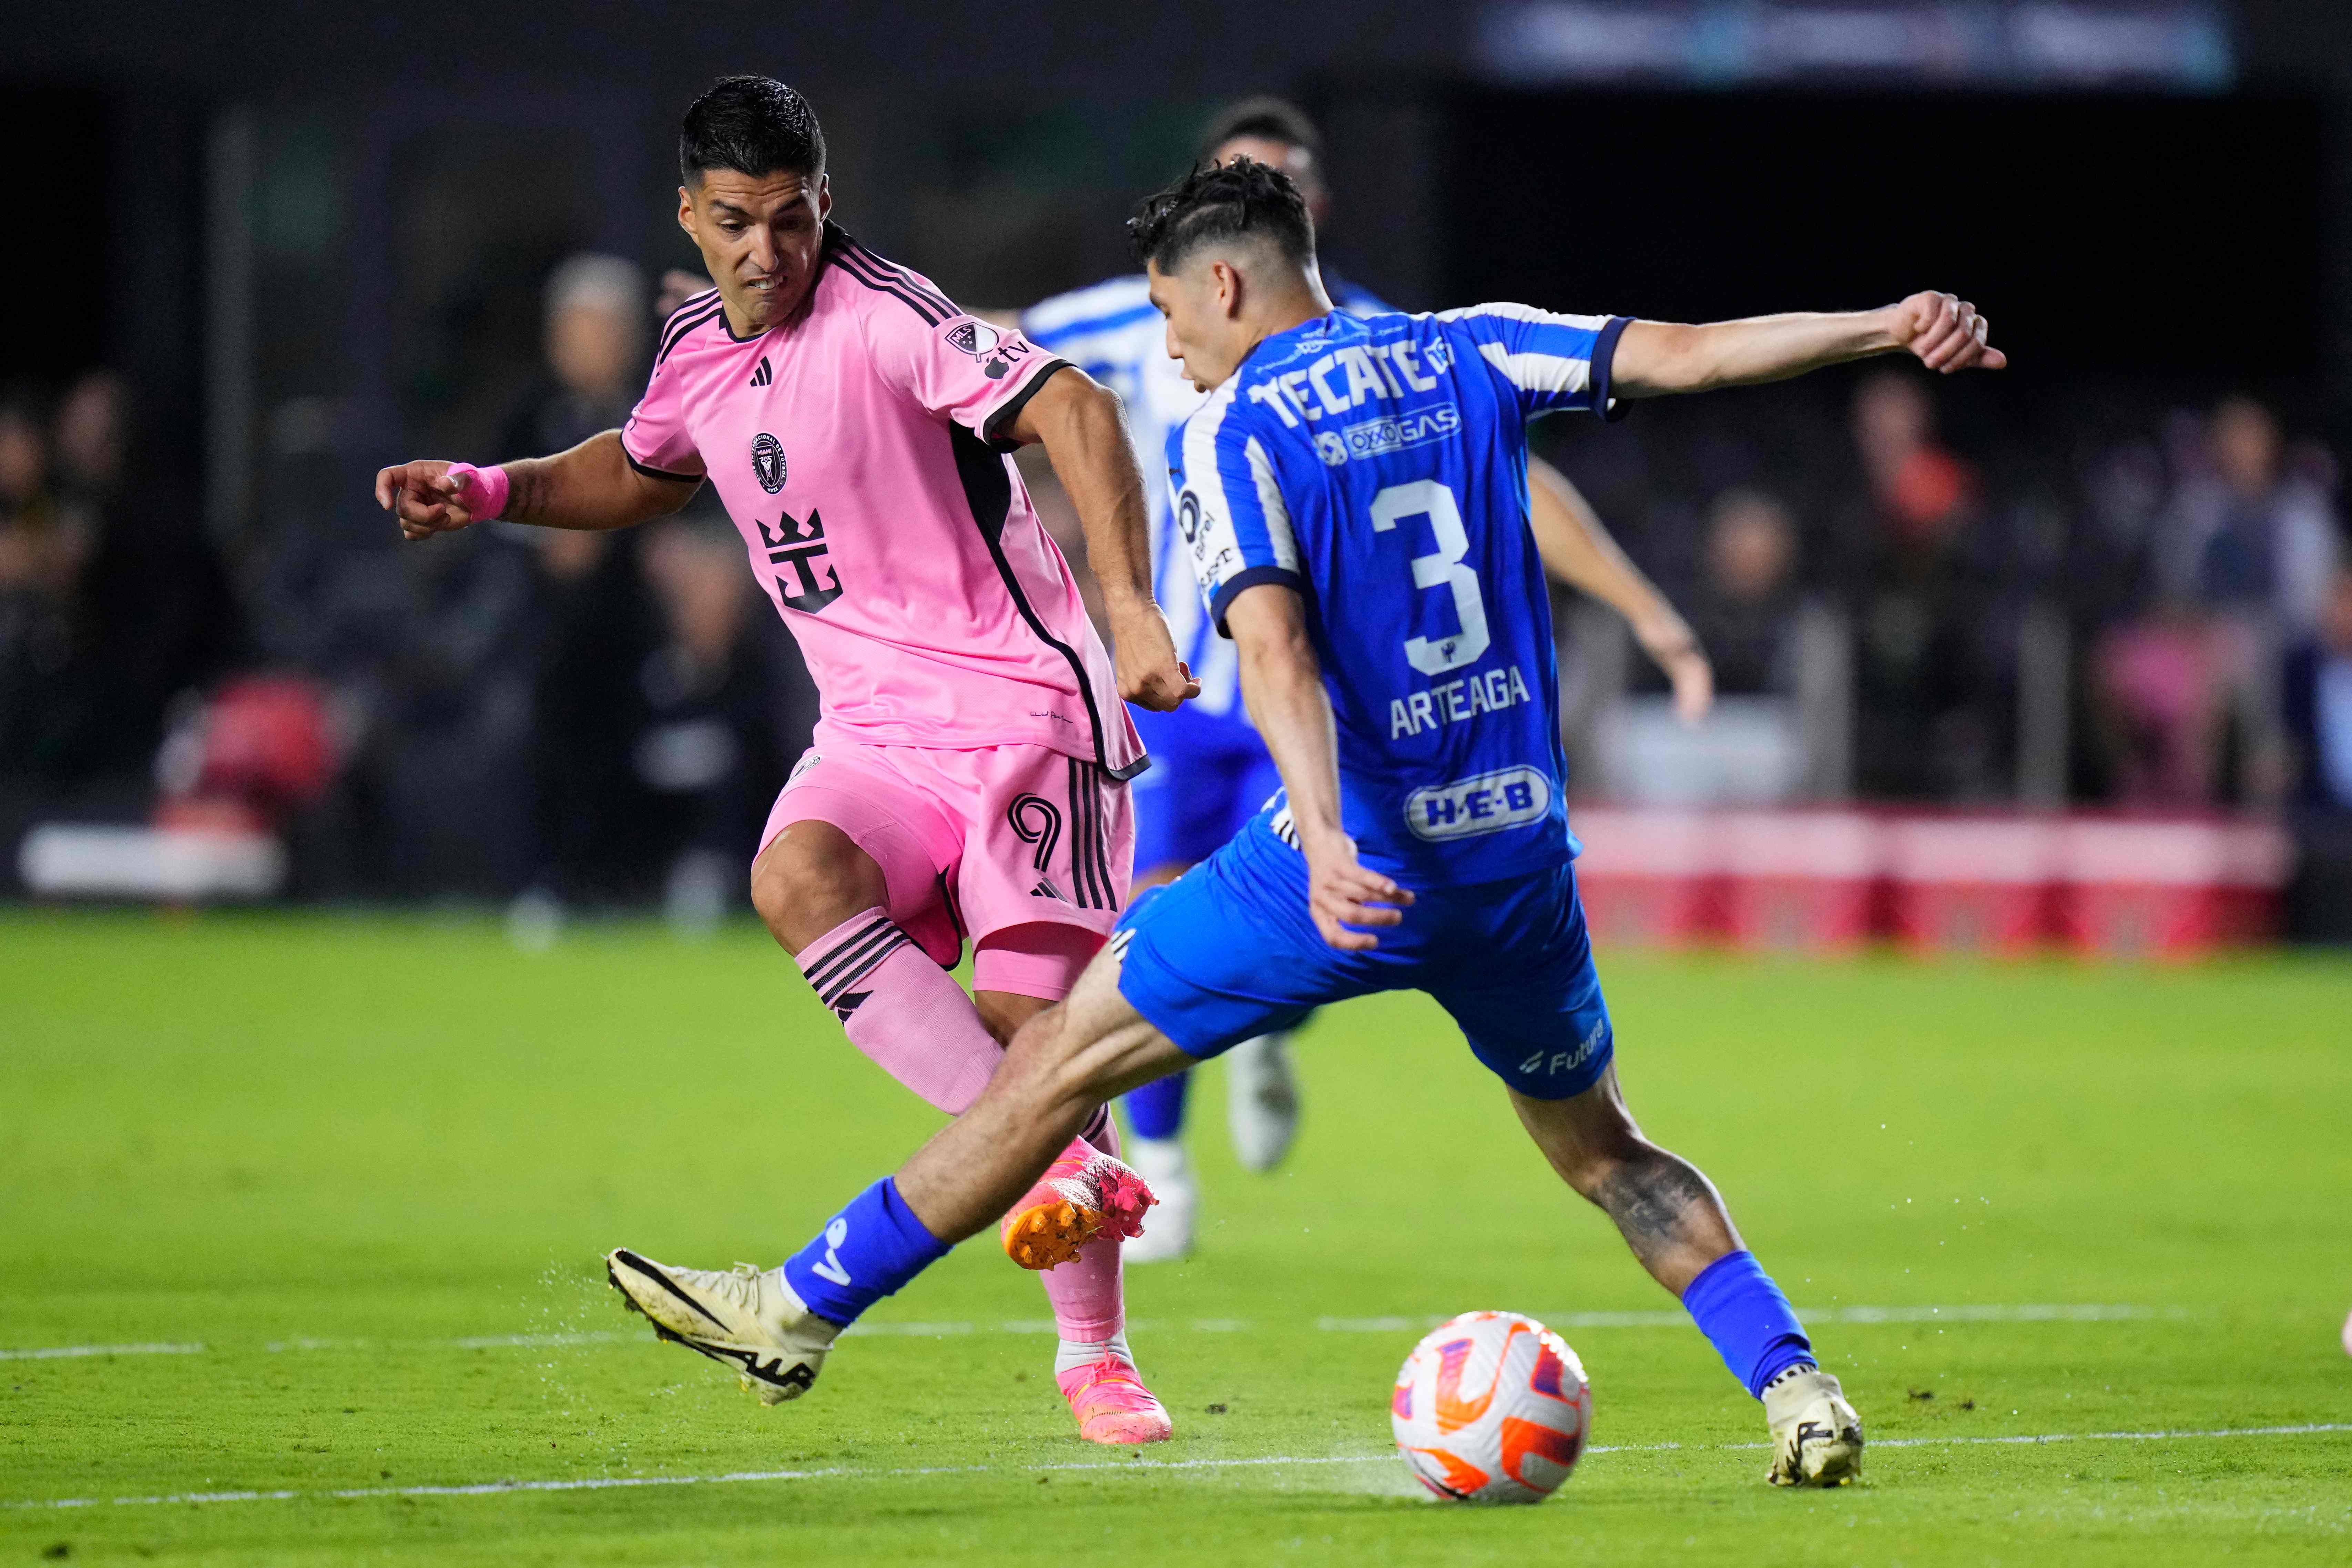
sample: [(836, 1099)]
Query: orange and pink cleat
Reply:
[(1111, 1404), (1084, 1193)]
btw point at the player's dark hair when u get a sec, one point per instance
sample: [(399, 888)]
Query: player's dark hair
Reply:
[(1217, 204), (752, 124), (1265, 120)]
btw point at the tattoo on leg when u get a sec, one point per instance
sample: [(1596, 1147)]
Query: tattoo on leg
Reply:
[(1651, 1200)]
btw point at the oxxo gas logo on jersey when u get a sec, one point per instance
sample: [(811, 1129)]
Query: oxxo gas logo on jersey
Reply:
[(1483, 803)]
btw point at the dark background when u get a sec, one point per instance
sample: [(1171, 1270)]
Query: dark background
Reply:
[(2135, 235), (311, 240)]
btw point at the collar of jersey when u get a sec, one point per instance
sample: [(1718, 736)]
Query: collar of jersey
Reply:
[(1311, 323)]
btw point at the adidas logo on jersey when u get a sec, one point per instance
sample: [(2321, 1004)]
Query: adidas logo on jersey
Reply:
[(764, 376), (1046, 890)]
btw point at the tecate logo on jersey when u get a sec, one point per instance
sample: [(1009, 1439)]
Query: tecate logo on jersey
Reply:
[(1484, 803)]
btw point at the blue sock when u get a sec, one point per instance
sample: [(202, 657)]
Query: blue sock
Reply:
[(1749, 1323), (871, 1248), (1157, 1110)]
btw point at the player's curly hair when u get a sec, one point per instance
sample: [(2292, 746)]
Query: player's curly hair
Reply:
[(1218, 203), (752, 124)]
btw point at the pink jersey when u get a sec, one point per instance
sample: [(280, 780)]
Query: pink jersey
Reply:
[(856, 448)]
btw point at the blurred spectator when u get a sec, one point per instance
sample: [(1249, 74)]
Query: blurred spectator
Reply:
[(2159, 704), (2247, 538), (2318, 693), (595, 332), (712, 748), (1745, 609), (597, 622), (1929, 686), (118, 600)]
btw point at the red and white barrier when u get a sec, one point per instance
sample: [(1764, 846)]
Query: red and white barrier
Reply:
[(1817, 881)]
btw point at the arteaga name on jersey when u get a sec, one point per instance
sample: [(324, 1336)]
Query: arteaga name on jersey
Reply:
[(1456, 701)]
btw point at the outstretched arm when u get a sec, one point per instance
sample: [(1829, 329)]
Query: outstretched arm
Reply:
[(1577, 551), (1654, 358), (1282, 681), (1084, 430), (592, 486)]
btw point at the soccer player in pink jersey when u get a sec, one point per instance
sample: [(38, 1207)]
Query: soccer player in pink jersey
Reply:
[(969, 776)]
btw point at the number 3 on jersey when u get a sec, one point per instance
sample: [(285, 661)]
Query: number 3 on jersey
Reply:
[(1429, 499)]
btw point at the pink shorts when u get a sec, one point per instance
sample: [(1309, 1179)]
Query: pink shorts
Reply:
[(1021, 849)]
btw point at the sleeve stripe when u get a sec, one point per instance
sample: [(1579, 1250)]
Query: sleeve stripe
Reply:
[(1604, 361), (1231, 588), (846, 258), (651, 472), (1524, 313), (892, 270), (1010, 409), (1269, 501), (696, 306), (1538, 372), (1201, 475), (682, 327)]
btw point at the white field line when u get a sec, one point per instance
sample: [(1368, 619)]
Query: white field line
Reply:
[(615, 1483), (59, 1353), (2031, 1313)]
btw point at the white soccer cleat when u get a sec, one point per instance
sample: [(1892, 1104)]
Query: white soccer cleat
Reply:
[(1261, 1100), (748, 1318), (1816, 1435), (1168, 1235)]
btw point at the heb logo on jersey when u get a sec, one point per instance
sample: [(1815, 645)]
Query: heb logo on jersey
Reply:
[(1388, 433), (1485, 803)]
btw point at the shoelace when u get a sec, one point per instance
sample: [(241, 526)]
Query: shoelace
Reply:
[(1114, 1382), (738, 1285)]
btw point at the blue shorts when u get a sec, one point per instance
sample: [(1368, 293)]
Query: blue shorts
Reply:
[(1228, 951), (1209, 775)]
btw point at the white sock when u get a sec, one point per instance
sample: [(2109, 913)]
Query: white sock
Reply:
[(1072, 1355), (1157, 1160)]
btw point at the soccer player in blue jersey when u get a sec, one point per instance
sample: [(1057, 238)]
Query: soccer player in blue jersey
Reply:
[(1354, 500), (1209, 772)]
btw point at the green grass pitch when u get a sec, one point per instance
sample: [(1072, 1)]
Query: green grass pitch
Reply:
[(357, 1173)]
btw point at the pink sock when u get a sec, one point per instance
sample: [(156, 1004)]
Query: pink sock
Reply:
[(902, 1009), (1089, 1302), (919, 1026)]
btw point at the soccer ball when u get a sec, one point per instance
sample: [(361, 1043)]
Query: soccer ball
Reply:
[(1491, 1407)]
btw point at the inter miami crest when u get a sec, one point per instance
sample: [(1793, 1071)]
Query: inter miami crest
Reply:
[(768, 462), (994, 351)]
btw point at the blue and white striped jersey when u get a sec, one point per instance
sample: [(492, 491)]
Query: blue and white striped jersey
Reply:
[(1114, 332), (1379, 466)]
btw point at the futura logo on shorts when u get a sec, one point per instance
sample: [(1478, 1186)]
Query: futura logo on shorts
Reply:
[(1568, 1061)]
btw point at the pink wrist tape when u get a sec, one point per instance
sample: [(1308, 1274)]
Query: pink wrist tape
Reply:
[(482, 492)]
